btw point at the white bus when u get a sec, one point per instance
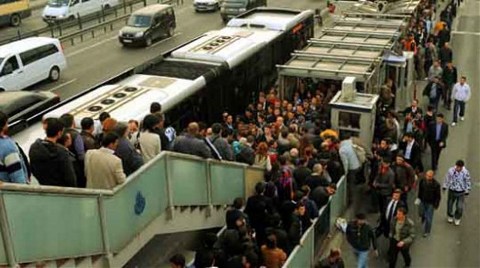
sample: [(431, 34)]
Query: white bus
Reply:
[(220, 70)]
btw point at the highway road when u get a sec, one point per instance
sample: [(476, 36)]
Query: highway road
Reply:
[(35, 22), (93, 61)]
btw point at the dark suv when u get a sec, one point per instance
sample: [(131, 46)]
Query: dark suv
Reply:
[(148, 24)]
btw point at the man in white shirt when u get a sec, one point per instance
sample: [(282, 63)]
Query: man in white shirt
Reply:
[(461, 93)]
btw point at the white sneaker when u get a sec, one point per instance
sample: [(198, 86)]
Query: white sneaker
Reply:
[(462, 118), (457, 222), (450, 219), (454, 124)]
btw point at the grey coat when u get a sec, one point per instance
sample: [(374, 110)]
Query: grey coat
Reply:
[(188, 144), (222, 146)]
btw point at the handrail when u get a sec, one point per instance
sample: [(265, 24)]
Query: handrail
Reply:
[(89, 192), (311, 230), (150, 193), (142, 169)]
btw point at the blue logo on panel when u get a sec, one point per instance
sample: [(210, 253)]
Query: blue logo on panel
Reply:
[(140, 203)]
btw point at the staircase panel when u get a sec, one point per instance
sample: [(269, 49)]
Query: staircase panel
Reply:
[(189, 181), (48, 227), (227, 182), (136, 205)]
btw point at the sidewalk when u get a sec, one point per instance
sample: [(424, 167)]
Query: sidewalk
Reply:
[(338, 239)]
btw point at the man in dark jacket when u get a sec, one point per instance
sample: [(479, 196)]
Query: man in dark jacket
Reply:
[(235, 213), (361, 237), (246, 154), (445, 55), (221, 144), (190, 144), (88, 128), (258, 208), (388, 215), (437, 138), (384, 183), (402, 233), (131, 158), (50, 163), (321, 194), (77, 148), (404, 176), (433, 91), (429, 199), (334, 260), (412, 153), (449, 77)]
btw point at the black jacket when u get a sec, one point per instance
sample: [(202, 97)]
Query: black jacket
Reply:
[(188, 144), (320, 196), (429, 192), (300, 174), (432, 133), (415, 155), (428, 88), (51, 164), (131, 159), (361, 236)]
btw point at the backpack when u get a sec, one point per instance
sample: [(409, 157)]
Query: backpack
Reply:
[(360, 152)]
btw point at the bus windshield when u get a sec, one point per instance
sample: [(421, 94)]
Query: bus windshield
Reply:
[(58, 3), (139, 21)]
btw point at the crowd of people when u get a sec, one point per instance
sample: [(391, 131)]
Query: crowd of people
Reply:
[(302, 156)]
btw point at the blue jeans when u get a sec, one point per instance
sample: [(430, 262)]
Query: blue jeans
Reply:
[(458, 108), (362, 256), (458, 198), (427, 216)]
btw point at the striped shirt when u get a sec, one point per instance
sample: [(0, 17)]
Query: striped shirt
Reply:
[(457, 181), (12, 165)]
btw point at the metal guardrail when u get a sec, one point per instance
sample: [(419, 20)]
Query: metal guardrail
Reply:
[(57, 30)]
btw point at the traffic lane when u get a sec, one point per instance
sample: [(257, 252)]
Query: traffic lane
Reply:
[(469, 232), (90, 65), (96, 60), (449, 245), (35, 22)]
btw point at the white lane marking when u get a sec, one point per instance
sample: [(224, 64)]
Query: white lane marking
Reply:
[(63, 84), (76, 52), (465, 33), (163, 40)]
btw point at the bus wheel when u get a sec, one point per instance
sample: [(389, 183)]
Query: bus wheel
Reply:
[(2, 90), (54, 74), (15, 20)]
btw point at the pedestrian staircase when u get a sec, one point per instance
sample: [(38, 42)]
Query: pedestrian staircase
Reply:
[(43, 226)]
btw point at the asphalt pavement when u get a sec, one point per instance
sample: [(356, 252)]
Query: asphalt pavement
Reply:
[(449, 245)]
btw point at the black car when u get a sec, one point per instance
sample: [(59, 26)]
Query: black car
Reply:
[(21, 105)]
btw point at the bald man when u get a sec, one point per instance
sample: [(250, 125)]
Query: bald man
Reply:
[(190, 143), (429, 196)]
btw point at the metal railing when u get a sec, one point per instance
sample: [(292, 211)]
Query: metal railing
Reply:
[(41, 223), (304, 254), (59, 29)]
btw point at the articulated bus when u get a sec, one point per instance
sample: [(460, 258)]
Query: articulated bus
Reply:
[(13, 11), (221, 70)]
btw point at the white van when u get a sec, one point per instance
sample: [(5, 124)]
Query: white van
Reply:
[(29, 61), (60, 10)]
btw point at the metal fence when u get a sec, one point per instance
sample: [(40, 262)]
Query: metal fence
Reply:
[(305, 253), (70, 29)]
